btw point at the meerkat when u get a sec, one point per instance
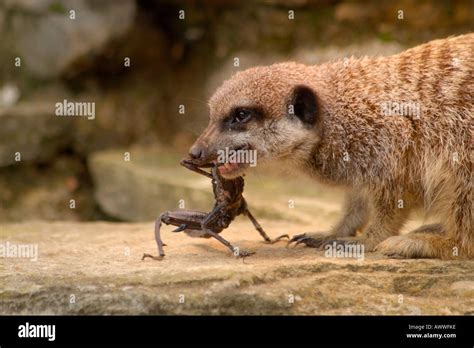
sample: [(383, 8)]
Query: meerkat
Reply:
[(396, 132)]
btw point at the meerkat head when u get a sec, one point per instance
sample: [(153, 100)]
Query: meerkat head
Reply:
[(269, 111)]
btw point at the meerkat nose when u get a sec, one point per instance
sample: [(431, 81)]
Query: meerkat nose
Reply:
[(196, 153)]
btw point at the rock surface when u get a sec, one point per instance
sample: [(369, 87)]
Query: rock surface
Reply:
[(32, 130), (28, 192), (47, 35), (95, 268)]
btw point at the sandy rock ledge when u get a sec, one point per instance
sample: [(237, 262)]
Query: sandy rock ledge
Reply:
[(95, 268)]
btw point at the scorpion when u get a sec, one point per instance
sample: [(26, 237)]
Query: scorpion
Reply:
[(229, 203)]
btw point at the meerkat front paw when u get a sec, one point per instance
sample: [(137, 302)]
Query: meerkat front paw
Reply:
[(368, 243), (317, 240), (312, 240), (321, 240)]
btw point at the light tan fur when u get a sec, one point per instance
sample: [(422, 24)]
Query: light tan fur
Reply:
[(383, 160)]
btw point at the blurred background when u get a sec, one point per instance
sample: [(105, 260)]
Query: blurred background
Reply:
[(149, 73)]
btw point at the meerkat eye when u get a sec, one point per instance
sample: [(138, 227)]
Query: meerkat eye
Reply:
[(242, 116), (238, 118)]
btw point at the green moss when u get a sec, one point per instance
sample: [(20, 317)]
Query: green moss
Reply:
[(57, 7), (385, 36)]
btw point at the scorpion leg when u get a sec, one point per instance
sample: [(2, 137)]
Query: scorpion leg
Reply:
[(235, 250), (182, 218), (159, 243), (212, 220), (262, 232)]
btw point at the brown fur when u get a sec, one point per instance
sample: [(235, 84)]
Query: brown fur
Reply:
[(423, 161)]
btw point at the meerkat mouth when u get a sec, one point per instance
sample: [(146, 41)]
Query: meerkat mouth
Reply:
[(235, 161), (232, 170)]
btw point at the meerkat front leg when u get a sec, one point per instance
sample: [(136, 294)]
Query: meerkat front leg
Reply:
[(387, 219), (355, 217)]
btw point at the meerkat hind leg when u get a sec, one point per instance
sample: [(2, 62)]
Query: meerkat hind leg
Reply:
[(412, 245), (432, 228), (407, 247), (430, 241), (417, 245)]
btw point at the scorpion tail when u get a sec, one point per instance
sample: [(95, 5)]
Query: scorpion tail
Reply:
[(180, 228)]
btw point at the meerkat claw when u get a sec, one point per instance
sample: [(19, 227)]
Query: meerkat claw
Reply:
[(298, 239), (308, 240)]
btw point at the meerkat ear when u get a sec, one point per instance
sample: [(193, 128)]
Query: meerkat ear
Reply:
[(304, 104)]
